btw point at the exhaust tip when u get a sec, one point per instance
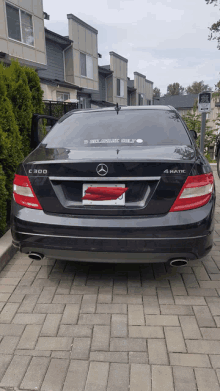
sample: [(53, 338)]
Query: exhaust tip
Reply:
[(178, 262), (36, 256)]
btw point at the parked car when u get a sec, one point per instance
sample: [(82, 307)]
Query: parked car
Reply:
[(123, 184)]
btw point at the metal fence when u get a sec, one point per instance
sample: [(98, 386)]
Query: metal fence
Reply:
[(58, 109)]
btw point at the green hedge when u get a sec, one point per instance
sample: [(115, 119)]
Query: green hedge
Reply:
[(20, 98)]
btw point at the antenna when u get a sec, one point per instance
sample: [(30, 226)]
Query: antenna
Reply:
[(117, 108)]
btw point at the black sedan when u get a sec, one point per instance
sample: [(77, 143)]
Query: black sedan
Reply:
[(120, 184)]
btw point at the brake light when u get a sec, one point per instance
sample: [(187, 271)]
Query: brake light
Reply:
[(196, 192), (23, 193)]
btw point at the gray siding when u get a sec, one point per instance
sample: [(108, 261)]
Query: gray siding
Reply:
[(100, 95), (55, 66)]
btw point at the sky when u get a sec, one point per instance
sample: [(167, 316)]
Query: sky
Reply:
[(165, 40)]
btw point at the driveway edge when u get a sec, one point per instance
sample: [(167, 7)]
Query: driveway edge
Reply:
[(7, 250)]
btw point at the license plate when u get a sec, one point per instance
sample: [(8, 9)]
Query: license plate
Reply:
[(119, 201)]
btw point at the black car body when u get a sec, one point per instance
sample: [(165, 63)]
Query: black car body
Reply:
[(167, 211)]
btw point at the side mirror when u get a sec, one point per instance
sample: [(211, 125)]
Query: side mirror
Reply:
[(41, 125), (193, 134)]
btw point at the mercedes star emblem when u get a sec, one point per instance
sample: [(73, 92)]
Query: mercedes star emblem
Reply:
[(102, 169)]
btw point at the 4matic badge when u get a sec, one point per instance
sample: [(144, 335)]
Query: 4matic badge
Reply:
[(174, 172)]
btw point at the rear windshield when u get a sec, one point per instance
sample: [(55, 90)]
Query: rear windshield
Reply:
[(127, 128)]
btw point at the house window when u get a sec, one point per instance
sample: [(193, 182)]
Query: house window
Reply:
[(86, 65), (140, 99), (20, 26), (63, 96), (120, 88)]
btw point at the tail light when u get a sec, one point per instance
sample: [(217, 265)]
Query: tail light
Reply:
[(23, 193), (196, 192)]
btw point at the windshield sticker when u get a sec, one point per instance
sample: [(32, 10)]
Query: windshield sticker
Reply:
[(114, 141)]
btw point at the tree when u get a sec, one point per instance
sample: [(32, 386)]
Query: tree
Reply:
[(36, 91), (198, 86), (175, 89), (3, 202), (215, 28), (193, 122), (156, 92)]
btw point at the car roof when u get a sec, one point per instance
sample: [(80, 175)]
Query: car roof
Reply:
[(149, 107)]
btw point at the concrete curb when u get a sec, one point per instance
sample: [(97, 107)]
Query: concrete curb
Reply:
[(7, 251)]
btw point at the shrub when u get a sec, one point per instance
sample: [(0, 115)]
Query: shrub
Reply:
[(21, 99), (36, 91), (3, 202)]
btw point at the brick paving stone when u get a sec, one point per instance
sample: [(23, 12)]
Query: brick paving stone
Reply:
[(201, 292), (71, 314), (127, 299), (128, 345), (34, 353), (4, 363), (54, 343), (9, 281), (35, 373), (29, 337), (174, 339), (75, 331), (8, 312), (135, 315), (162, 378), (84, 290), (138, 358), (171, 309), (15, 371), (49, 308), (206, 379), (60, 354), (211, 333), (189, 300), (119, 326), (184, 379), (46, 295), (64, 288), (104, 298), (94, 319), (55, 375), (110, 356), (134, 290), (203, 316), (76, 376), (203, 346), (67, 299), (165, 296), (210, 266), (215, 360), (97, 376), (177, 286), (151, 305), (162, 320), (8, 344), (29, 318), (190, 327), (14, 330), (118, 378), (189, 360), (4, 297), (51, 325), (111, 309), (190, 281), (140, 377), (81, 348), (214, 305), (146, 332), (16, 298), (101, 338), (88, 305), (201, 273), (28, 304), (157, 352), (209, 284)]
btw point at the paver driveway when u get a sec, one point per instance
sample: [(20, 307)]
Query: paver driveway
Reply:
[(73, 327)]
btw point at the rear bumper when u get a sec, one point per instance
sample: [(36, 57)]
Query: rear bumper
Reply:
[(187, 234)]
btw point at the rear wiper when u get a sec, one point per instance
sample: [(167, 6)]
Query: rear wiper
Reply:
[(117, 108)]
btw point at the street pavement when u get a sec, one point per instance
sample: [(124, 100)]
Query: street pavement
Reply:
[(68, 326)]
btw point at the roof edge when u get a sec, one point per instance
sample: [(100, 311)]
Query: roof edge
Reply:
[(82, 23), (118, 56)]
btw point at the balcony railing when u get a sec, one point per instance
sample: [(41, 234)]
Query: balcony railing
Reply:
[(58, 109)]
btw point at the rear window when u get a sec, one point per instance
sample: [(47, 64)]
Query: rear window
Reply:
[(127, 128)]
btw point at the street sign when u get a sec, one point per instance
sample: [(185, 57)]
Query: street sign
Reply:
[(204, 102)]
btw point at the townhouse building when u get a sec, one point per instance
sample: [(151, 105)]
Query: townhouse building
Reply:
[(22, 33)]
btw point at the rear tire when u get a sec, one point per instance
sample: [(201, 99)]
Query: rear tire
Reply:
[(218, 163)]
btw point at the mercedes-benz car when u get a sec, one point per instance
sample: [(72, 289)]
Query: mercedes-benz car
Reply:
[(119, 184)]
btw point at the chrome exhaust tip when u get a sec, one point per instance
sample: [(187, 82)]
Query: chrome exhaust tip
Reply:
[(178, 262), (36, 256)]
